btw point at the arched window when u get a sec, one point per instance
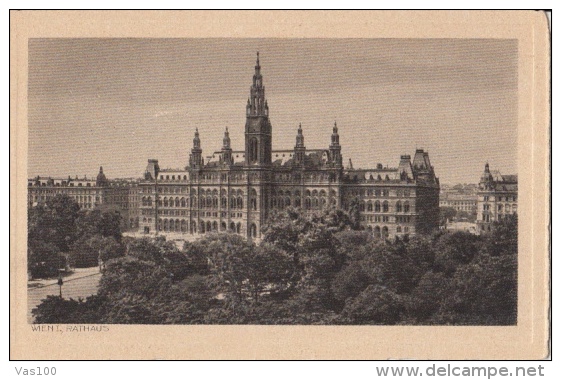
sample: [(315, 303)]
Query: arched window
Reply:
[(238, 228), (308, 203), (202, 227), (165, 201), (208, 226), (182, 202), (297, 202), (253, 199), (377, 233), (223, 226), (215, 226), (253, 230), (406, 207), (171, 225), (385, 233), (377, 206), (385, 206), (362, 206), (165, 225), (240, 202), (287, 202), (398, 207), (233, 227), (183, 225), (253, 149), (176, 202), (369, 206)]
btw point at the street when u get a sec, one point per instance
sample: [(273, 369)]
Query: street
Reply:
[(73, 288)]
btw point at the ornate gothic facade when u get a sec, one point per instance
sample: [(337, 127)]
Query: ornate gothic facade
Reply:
[(237, 190)]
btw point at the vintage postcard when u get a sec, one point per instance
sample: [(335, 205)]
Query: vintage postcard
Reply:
[(279, 185)]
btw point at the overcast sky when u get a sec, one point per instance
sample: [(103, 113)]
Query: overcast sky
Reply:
[(118, 102)]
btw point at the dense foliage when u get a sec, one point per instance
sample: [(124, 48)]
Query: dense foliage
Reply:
[(60, 234), (307, 270)]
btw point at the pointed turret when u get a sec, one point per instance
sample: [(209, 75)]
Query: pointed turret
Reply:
[(195, 159), (299, 148), (101, 179), (226, 148), (486, 181), (226, 140), (300, 137), (335, 149)]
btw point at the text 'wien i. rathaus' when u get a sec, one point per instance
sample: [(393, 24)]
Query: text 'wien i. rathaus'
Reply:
[(236, 190)]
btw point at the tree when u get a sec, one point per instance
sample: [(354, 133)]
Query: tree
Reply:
[(44, 259), (428, 295), (284, 229), (55, 309), (503, 239), (54, 223), (376, 305), (446, 215), (454, 249), (96, 222), (483, 292), (51, 232)]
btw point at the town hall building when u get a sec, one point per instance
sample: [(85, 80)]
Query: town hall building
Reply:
[(236, 190)]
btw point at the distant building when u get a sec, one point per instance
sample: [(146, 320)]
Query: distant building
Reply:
[(236, 190), (90, 194), (460, 198), (497, 197)]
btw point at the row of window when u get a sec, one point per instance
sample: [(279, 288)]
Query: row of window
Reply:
[(177, 225), (500, 208), (500, 199), (383, 206), (71, 184)]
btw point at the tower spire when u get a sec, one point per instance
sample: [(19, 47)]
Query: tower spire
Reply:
[(195, 159), (335, 148), (226, 148), (299, 149), (258, 127), (226, 140), (300, 137)]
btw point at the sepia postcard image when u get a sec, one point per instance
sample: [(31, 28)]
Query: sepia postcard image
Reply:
[(307, 193)]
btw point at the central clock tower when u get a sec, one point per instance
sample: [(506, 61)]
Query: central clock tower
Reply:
[(258, 138)]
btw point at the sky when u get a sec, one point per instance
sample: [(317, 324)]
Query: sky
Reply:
[(118, 102)]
